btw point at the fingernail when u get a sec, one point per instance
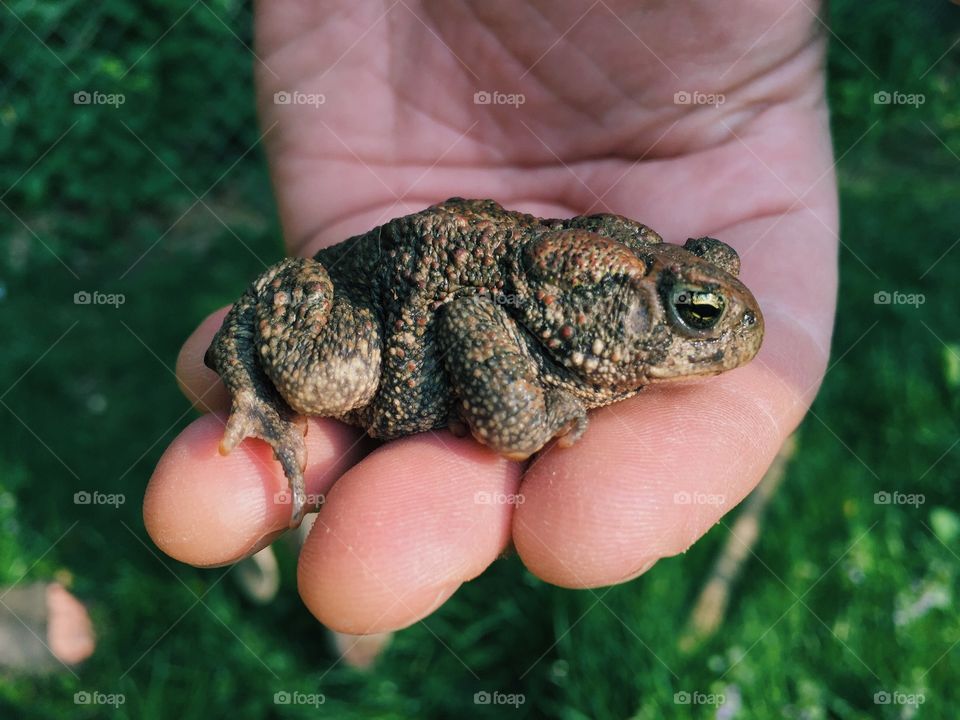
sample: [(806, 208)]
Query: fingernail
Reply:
[(639, 571), (442, 597)]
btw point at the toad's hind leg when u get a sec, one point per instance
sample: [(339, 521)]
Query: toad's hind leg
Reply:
[(256, 408), (497, 384), (282, 350), (319, 343)]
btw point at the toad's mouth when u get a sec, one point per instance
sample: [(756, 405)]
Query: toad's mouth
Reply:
[(693, 366)]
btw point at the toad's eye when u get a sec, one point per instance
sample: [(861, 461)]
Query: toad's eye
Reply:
[(695, 307)]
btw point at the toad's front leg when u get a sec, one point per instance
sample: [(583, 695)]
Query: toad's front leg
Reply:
[(293, 344), (496, 382)]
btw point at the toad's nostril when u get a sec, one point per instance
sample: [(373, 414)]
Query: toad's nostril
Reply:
[(749, 318)]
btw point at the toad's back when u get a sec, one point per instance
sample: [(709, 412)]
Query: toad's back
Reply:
[(453, 248)]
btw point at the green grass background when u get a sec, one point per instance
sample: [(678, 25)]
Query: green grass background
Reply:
[(844, 599)]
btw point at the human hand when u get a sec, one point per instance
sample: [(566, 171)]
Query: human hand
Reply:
[(600, 131)]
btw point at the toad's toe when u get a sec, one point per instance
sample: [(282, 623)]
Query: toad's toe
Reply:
[(283, 430)]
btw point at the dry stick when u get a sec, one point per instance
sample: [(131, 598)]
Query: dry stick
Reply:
[(711, 605)]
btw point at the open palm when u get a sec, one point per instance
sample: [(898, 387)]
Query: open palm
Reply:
[(708, 119)]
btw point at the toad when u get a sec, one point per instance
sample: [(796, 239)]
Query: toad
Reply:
[(484, 320)]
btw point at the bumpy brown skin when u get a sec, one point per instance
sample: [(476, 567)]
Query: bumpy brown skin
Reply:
[(470, 316)]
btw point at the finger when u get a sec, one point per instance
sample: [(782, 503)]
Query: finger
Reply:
[(70, 634), (402, 530), (199, 383), (682, 457), (652, 474), (208, 509)]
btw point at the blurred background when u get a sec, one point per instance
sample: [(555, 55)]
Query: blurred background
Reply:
[(155, 194)]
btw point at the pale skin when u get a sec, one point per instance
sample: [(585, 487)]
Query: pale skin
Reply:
[(402, 527)]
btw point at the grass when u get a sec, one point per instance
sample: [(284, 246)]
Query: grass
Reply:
[(845, 597)]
